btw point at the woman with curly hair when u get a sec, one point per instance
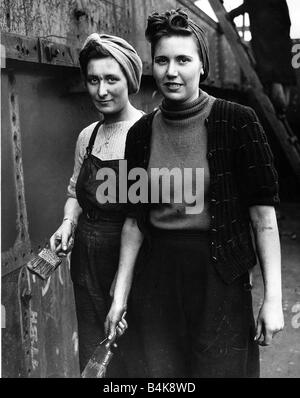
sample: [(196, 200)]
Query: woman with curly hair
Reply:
[(190, 260)]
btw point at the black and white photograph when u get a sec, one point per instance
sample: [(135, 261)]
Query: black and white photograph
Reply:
[(150, 191)]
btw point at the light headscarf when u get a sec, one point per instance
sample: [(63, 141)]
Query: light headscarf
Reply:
[(124, 54)]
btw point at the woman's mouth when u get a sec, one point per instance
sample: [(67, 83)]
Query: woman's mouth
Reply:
[(103, 102), (173, 86)]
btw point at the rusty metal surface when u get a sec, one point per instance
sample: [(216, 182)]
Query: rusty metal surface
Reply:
[(20, 47), (40, 338), (8, 201), (70, 21), (14, 117), (28, 49), (39, 130), (50, 121), (53, 31)]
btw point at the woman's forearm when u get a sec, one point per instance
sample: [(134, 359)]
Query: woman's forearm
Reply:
[(72, 210), (264, 223), (131, 241)]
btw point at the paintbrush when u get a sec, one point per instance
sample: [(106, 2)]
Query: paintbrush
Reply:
[(44, 263), (97, 366)]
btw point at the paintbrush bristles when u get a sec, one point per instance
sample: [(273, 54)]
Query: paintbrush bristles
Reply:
[(44, 263), (50, 257)]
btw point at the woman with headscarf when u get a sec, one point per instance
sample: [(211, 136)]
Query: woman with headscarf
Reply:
[(191, 291), (112, 71)]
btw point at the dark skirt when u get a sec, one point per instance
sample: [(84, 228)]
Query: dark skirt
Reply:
[(191, 323)]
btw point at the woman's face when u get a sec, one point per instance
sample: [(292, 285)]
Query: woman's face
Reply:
[(177, 68), (107, 85)]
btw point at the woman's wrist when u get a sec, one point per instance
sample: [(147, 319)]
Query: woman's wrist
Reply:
[(119, 302), (71, 221), (275, 298)]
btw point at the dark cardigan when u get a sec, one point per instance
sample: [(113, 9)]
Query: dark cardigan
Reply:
[(242, 175)]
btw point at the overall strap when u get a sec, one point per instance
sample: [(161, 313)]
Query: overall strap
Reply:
[(89, 148)]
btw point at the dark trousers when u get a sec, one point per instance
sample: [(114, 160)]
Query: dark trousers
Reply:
[(191, 323), (94, 262)]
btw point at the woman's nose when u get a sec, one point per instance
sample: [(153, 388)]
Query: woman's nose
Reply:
[(172, 70), (102, 91)]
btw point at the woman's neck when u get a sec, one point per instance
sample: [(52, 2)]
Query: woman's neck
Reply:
[(174, 110), (127, 113)]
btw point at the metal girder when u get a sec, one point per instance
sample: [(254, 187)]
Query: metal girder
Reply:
[(38, 50), (254, 84), (190, 5), (16, 256)]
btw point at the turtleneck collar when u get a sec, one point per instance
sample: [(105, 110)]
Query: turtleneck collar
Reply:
[(177, 111)]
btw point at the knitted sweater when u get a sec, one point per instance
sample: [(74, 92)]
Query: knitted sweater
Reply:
[(179, 143), (109, 144), (242, 174)]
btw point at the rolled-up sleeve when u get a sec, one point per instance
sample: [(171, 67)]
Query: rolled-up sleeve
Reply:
[(78, 160), (258, 178)]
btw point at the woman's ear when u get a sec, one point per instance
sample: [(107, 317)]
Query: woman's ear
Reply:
[(201, 70)]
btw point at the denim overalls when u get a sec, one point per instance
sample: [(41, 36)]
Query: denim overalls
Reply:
[(95, 256)]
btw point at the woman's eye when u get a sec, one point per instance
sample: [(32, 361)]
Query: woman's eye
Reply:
[(183, 60), (93, 80), (161, 60), (112, 79)]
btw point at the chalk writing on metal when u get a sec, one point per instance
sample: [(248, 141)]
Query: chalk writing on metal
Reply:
[(46, 287), (34, 339), (75, 342), (296, 318), (3, 317), (2, 56)]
